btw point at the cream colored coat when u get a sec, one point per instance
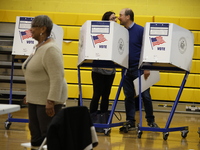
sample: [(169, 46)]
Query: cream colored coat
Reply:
[(44, 76)]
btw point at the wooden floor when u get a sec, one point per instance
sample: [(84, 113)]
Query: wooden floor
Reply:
[(19, 133)]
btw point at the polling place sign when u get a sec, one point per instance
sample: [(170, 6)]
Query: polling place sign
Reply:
[(23, 42)]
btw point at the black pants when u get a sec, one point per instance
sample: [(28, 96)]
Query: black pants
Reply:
[(101, 88), (38, 122)]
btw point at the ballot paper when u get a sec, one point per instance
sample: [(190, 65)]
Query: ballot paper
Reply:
[(153, 78)]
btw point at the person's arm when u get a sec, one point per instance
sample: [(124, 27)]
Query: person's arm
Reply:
[(52, 62)]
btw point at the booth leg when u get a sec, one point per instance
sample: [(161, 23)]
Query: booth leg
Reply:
[(176, 101), (166, 130), (80, 101)]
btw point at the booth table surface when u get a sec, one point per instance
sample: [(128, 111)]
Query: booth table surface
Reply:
[(8, 108)]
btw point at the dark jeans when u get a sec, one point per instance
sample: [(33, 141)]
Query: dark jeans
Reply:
[(129, 92), (101, 88), (38, 122)]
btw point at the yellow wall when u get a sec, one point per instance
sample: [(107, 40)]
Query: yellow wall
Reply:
[(186, 8), (165, 89), (72, 14)]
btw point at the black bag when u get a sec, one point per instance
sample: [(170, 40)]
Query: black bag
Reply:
[(101, 118)]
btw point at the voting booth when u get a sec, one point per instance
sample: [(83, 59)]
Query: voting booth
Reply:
[(166, 46), (103, 44), (23, 42), (103, 41)]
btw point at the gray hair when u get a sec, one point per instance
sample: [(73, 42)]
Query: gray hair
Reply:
[(43, 21)]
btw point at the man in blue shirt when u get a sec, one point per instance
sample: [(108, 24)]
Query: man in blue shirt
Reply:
[(126, 18)]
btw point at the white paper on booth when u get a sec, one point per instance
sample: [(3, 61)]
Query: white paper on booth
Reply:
[(153, 78)]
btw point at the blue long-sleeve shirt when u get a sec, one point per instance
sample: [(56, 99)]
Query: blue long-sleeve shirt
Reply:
[(135, 44)]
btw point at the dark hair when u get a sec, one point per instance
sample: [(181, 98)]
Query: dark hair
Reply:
[(130, 13), (43, 21), (107, 15)]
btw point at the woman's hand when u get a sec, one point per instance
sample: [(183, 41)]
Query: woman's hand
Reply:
[(24, 100), (146, 74), (50, 108)]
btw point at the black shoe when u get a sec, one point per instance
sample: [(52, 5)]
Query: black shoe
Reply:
[(153, 125), (128, 126)]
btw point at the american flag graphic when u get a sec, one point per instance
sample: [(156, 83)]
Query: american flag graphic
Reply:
[(25, 34), (99, 38), (157, 40)]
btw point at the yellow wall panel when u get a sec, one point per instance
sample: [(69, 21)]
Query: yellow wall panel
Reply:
[(175, 79), (10, 15), (167, 93), (160, 93), (196, 34), (188, 95), (73, 91), (117, 78), (74, 19), (71, 32), (65, 18), (70, 47), (190, 23), (141, 20), (193, 81), (167, 79), (86, 77), (114, 92), (37, 13), (82, 18), (60, 18), (87, 92), (196, 93), (196, 52), (195, 68), (70, 61), (164, 79), (57, 17), (198, 41), (72, 77), (167, 19), (2, 16)]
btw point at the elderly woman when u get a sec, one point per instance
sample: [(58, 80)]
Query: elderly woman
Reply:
[(46, 88)]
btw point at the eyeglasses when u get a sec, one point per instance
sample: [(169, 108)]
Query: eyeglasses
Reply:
[(113, 18)]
